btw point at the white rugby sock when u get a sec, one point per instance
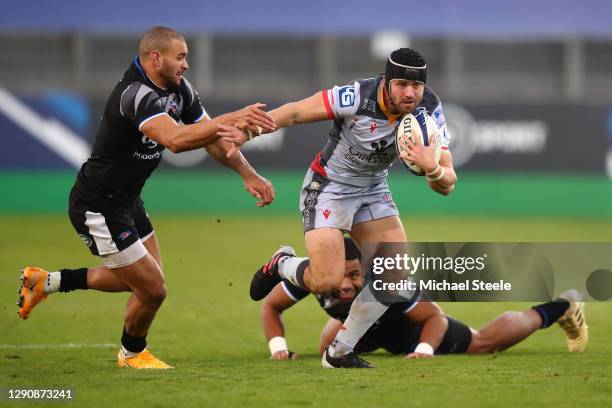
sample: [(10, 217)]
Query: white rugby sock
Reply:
[(52, 284), (365, 311), (288, 269), (129, 354)]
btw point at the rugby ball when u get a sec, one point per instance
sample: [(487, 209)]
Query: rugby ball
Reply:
[(417, 126)]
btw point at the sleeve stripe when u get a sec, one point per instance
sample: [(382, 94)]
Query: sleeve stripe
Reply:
[(143, 91), (330, 113), (289, 293), (412, 304), (151, 117), (201, 116), (190, 89), (121, 100)]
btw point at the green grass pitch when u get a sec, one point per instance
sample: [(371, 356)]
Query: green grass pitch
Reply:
[(209, 329)]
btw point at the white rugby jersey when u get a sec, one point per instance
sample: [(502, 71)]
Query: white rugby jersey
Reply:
[(361, 145)]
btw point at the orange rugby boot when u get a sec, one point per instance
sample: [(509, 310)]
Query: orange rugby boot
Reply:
[(143, 360), (32, 290)]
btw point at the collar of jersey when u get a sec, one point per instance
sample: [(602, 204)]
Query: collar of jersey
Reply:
[(381, 103), (145, 76)]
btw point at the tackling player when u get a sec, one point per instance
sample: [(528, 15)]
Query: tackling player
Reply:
[(140, 120), (346, 188), (419, 328)]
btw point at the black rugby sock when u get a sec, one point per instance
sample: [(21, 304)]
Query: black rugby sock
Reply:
[(299, 274), (72, 279), (133, 344), (551, 312)]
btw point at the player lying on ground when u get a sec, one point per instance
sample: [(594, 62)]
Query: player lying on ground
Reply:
[(141, 118), (346, 190), (419, 328)]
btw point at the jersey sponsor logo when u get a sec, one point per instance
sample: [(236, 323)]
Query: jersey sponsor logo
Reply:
[(151, 144), (381, 155), (347, 96), (144, 156), (380, 146)]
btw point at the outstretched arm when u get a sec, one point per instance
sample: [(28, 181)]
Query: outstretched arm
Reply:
[(434, 325), (165, 130), (311, 109), (274, 305)]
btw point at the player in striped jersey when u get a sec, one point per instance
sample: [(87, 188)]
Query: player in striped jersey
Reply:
[(142, 117), (418, 328)]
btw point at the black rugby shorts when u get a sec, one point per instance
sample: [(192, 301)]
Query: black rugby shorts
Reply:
[(108, 229)]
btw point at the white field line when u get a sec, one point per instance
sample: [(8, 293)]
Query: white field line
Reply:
[(57, 346)]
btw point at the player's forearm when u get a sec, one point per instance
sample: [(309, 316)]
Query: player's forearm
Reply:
[(311, 109), (272, 322), (237, 162), (194, 136), (286, 115), (443, 180), (433, 330)]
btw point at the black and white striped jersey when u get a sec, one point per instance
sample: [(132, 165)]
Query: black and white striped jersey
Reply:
[(123, 158)]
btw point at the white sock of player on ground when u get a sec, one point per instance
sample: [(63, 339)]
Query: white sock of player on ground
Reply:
[(288, 268), (365, 311)]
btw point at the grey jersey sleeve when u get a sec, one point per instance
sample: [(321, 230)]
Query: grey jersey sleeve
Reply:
[(342, 101), (444, 134), (193, 111), (433, 106), (139, 103)]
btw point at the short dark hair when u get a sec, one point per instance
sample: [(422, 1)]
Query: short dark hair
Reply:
[(351, 250), (158, 39)]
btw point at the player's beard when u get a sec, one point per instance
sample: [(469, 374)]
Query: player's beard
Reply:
[(169, 76), (403, 109)]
